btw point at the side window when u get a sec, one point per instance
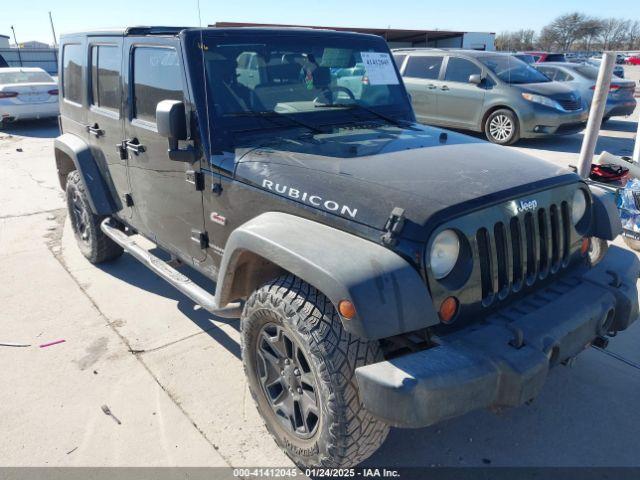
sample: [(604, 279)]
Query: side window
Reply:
[(459, 70), (423, 67), (547, 72), (72, 72), (399, 58), (562, 76), (105, 77), (156, 77)]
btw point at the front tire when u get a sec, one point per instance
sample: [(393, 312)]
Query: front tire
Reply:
[(92, 242), (300, 365), (502, 127)]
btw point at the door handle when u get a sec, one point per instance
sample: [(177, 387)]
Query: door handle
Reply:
[(444, 87), (134, 146), (95, 130), (431, 86)]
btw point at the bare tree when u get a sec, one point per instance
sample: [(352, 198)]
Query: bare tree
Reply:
[(614, 32)]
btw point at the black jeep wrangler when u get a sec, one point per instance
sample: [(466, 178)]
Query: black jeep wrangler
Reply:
[(385, 273)]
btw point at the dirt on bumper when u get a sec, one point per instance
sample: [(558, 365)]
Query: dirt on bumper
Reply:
[(505, 360)]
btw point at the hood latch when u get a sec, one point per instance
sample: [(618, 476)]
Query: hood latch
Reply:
[(393, 227)]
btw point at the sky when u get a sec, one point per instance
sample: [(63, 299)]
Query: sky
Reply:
[(31, 20)]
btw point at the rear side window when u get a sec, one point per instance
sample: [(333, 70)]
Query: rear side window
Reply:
[(423, 67), (555, 57), (459, 70), (156, 77), (72, 72), (105, 77)]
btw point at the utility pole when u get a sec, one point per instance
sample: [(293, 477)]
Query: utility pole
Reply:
[(595, 115), (17, 45), (53, 31)]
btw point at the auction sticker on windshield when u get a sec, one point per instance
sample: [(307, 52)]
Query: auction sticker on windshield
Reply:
[(379, 67)]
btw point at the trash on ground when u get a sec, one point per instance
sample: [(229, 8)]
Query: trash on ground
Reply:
[(107, 411), (52, 343), (10, 344)]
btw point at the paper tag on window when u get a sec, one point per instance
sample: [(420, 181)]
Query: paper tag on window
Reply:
[(379, 67)]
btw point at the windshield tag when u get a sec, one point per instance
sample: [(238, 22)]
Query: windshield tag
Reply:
[(379, 67)]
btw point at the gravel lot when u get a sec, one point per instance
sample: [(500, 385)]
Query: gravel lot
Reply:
[(172, 374)]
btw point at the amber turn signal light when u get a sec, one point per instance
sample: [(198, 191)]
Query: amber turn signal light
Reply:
[(347, 309), (584, 246), (448, 309)]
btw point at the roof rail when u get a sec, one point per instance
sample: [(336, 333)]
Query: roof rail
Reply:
[(154, 30)]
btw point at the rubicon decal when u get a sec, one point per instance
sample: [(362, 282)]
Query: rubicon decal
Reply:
[(310, 198)]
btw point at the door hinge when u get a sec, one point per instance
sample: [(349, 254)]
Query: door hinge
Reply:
[(128, 199), (197, 178), (201, 238), (393, 227)]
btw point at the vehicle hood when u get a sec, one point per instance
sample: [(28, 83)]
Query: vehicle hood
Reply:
[(548, 89), (428, 172)]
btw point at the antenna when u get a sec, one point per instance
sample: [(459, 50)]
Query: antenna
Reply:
[(204, 81), (53, 31)]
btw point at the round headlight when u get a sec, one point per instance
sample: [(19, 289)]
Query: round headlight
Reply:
[(578, 206), (444, 253)]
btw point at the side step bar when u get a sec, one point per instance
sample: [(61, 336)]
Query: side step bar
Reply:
[(184, 284)]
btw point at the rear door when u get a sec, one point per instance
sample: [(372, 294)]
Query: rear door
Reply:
[(105, 120), (421, 75), (460, 103), (167, 206)]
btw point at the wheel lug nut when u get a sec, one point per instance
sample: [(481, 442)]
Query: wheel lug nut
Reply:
[(286, 362), (299, 390), (282, 373), (296, 372)]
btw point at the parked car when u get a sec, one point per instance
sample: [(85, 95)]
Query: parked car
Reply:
[(618, 70), (3, 62), (633, 60), (488, 92), (540, 57), (27, 93), (582, 78), (525, 57), (384, 273)]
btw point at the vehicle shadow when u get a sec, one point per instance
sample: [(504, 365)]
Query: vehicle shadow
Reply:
[(621, 126), (45, 128), (131, 271), (575, 421), (572, 144)]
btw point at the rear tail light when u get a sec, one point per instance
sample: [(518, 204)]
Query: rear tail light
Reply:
[(8, 94), (612, 88), (53, 92), (365, 80)]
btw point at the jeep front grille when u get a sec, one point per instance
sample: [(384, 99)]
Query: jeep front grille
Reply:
[(519, 251)]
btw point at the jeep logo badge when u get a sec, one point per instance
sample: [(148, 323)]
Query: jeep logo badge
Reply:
[(527, 205)]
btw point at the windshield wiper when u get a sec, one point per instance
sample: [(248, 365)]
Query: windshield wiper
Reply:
[(270, 115), (351, 106)]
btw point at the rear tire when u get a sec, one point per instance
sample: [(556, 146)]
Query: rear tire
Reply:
[(93, 243), (502, 127), (299, 359)]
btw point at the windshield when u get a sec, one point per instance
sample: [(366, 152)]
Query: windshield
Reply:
[(294, 80), (25, 77), (587, 71), (512, 70)]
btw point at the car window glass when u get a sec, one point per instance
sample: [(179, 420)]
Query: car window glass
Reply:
[(459, 70), (72, 72), (25, 77), (423, 67), (399, 58), (105, 77), (156, 77), (562, 76), (547, 72)]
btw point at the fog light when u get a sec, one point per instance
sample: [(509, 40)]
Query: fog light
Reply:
[(347, 309), (584, 246), (448, 309)]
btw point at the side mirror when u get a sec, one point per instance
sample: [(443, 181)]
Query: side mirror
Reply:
[(171, 122), (476, 79)]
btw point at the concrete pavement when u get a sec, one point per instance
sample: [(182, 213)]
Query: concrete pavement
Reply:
[(172, 374)]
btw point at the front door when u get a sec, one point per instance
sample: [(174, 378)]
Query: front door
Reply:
[(167, 206), (460, 103)]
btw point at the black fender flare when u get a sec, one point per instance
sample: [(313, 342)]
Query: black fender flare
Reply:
[(100, 198), (606, 223), (389, 295)]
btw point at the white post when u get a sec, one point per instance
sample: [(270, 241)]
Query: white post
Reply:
[(595, 115), (636, 148)]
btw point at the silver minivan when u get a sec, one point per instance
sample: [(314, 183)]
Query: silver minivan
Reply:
[(488, 92)]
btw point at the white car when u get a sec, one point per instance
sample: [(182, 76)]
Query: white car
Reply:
[(27, 93)]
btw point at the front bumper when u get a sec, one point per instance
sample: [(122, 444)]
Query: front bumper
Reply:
[(540, 121), (29, 111), (620, 108), (483, 366)]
